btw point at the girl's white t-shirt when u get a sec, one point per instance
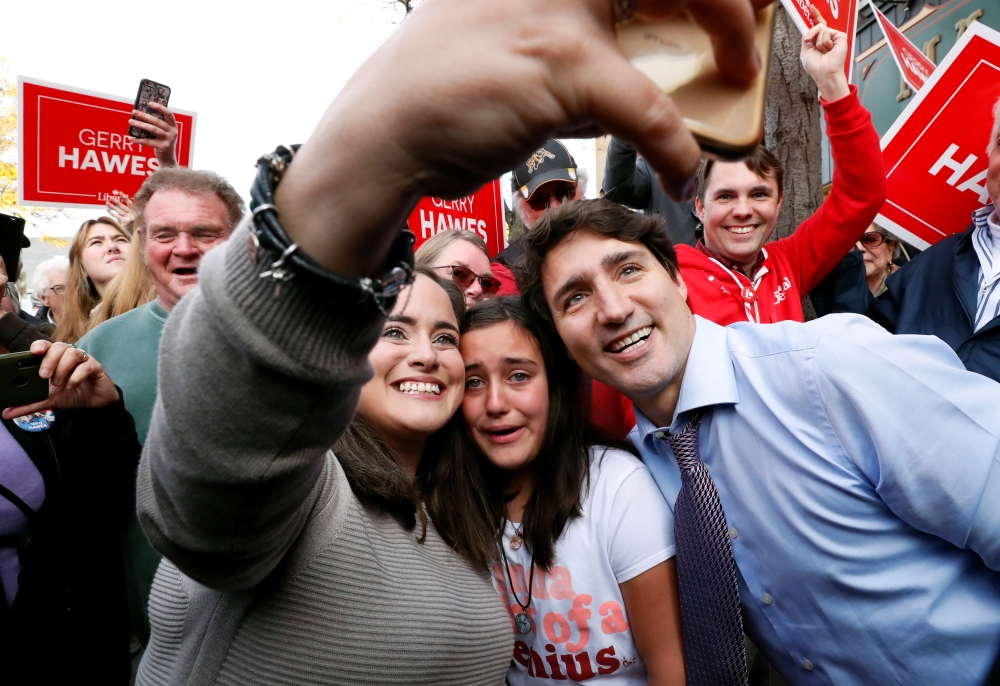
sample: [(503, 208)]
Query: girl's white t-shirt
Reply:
[(580, 629)]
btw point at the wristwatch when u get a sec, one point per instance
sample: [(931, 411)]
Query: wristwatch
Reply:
[(268, 240)]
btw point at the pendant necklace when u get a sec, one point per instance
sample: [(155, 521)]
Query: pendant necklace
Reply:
[(521, 620), (516, 540)]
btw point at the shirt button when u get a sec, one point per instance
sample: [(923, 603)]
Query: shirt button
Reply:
[(711, 278), (808, 665), (733, 533), (767, 601), (660, 435)]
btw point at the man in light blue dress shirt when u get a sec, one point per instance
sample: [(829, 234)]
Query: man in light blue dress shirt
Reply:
[(858, 470)]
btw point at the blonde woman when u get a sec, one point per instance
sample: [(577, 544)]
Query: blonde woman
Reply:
[(131, 288), (96, 256), (461, 257)]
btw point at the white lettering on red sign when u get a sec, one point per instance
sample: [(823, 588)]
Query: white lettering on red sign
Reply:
[(975, 183), (449, 222), (915, 66), (112, 163), (105, 139)]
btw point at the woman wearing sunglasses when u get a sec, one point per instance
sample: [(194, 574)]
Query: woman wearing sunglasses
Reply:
[(577, 535), (880, 250), (462, 257)]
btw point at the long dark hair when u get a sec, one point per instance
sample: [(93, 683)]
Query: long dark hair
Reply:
[(464, 492), (375, 478)]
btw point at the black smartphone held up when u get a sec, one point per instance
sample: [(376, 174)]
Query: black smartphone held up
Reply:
[(11, 241), (149, 91), (19, 380)]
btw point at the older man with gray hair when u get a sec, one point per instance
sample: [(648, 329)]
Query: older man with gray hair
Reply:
[(952, 290), (181, 214)]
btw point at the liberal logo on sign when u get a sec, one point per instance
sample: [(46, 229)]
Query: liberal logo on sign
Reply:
[(935, 152), (74, 149)]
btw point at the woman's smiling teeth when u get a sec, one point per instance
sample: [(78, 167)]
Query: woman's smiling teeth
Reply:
[(416, 388), (741, 229), (629, 342)]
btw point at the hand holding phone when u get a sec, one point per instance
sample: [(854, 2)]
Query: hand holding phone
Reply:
[(150, 92), (153, 124), (60, 377), (20, 383)]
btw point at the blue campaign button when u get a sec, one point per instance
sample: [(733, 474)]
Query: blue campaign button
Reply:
[(37, 422)]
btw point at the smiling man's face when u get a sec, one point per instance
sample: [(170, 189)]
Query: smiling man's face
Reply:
[(180, 227), (739, 211), (623, 318)]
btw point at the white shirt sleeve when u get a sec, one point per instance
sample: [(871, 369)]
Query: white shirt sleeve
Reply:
[(640, 526)]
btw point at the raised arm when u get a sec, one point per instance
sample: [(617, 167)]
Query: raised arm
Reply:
[(255, 387), (626, 179), (858, 190)]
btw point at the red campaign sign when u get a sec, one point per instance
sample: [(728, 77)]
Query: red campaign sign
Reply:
[(73, 147), (935, 152), (481, 213), (839, 14), (913, 64)]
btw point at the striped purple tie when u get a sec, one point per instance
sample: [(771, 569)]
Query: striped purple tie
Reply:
[(706, 572)]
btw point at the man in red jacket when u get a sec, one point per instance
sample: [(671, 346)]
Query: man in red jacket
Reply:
[(731, 275)]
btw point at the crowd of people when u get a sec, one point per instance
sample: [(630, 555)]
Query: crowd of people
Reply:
[(280, 447)]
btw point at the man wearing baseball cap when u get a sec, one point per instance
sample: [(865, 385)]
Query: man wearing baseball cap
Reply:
[(545, 180)]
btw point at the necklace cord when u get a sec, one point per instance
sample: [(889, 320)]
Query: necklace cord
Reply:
[(531, 579)]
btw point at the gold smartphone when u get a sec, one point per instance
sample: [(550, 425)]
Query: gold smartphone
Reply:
[(726, 120)]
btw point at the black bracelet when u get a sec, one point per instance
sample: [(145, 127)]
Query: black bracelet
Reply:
[(269, 241)]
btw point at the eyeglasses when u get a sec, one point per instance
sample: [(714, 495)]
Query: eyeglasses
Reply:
[(57, 290), (463, 278), (540, 199), (872, 239)]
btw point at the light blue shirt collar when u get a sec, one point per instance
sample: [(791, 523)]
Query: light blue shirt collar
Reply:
[(709, 379)]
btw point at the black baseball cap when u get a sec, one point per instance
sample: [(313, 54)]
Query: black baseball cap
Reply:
[(551, 162)]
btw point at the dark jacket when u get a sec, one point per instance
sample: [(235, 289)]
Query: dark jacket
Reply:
[(629, 180), (69, 620), (936, 294), (845, 289)]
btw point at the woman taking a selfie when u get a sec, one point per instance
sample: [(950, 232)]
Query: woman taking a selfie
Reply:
[(324, 563), (583, 536), (96, 256)]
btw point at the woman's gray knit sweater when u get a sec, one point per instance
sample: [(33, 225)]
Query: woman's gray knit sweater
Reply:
[(274, 571)]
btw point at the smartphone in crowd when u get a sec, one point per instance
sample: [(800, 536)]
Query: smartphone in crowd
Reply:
[(727, 120), (149, 91), (11, 240), (19, 380)]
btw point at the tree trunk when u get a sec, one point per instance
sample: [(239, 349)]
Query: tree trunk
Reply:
[(792, 130)]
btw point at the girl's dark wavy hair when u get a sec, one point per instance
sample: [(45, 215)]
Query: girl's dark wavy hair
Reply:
[(464, 491), (373, 474)]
